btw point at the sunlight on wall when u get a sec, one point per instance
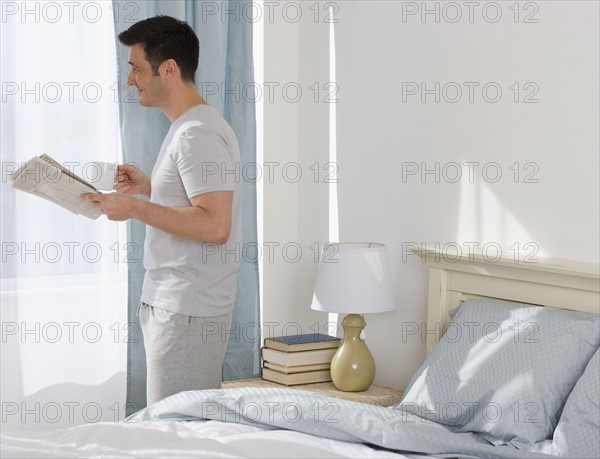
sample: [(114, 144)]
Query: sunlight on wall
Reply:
[(484, 220), (334, 229)]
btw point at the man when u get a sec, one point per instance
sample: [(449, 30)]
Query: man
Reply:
[(189, 288)]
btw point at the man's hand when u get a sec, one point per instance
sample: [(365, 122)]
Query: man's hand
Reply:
[(131, 180), (115, 206)]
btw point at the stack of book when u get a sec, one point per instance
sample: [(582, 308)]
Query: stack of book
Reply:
[(299, 359)]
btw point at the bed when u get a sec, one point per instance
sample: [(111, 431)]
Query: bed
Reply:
[(512, 370)]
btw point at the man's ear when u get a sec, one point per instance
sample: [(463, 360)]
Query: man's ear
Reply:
[(169, 69)]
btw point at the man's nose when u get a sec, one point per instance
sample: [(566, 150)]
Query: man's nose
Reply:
[(130, 79)]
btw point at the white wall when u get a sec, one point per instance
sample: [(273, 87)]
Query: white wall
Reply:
[(551, 209)]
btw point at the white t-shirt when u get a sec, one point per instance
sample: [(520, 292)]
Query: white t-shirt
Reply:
[(200, 154)]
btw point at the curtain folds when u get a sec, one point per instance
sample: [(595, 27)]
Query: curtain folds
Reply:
[(225, 71)]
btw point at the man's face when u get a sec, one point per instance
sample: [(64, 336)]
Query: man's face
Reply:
[(150, 87)]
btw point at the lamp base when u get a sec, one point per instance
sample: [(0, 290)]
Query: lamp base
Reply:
[(353, 366)]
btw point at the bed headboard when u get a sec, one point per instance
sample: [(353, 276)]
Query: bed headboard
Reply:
[(547, 282)]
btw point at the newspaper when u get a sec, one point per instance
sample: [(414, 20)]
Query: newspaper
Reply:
[(44, 177)]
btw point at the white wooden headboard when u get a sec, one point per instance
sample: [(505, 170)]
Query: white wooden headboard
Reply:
[(548, 282)]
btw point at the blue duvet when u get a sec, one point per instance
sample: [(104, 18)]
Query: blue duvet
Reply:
[(328, 417)]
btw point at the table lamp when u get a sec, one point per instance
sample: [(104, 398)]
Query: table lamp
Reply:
[(353, 278)]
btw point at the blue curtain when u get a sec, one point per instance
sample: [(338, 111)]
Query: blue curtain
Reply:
[(225, 80)]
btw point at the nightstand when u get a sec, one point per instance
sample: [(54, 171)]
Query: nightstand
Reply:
[(375, 395)]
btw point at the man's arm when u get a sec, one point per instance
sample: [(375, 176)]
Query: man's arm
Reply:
[(207, 220)]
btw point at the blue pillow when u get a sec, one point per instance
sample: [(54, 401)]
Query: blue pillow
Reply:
[(578, 431), (503, 370)]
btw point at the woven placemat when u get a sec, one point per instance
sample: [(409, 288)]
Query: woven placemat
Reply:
[(375, 395)]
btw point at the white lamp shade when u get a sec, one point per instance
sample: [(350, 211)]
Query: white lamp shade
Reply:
[(354, 278)]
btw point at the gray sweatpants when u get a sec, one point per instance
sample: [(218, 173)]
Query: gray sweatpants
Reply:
[(182, 352)]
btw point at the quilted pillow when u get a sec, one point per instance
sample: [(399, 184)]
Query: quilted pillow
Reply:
[(503, 370)]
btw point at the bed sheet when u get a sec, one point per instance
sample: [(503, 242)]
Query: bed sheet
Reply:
[(259, 422), (328, 417), (181, 439)]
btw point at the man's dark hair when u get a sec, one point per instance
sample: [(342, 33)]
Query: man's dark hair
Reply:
[(162, 38)]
